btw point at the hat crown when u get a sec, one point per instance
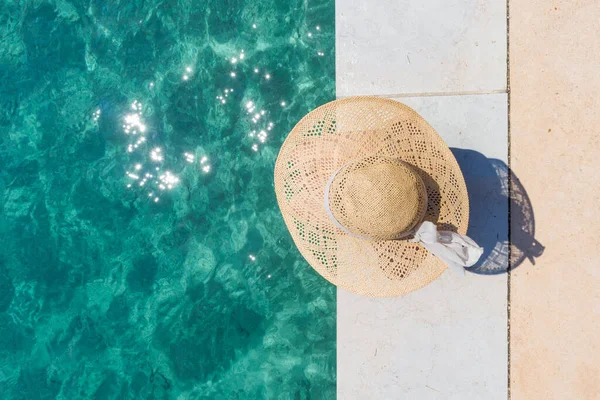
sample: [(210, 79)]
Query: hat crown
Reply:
[(377, 197)]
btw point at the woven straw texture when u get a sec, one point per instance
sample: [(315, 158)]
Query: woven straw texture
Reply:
[(346, 130), (378, 197)]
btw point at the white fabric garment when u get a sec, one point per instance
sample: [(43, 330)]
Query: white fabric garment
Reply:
[(456, 250)]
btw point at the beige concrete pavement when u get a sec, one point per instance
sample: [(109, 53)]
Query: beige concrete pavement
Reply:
[(555, 152)]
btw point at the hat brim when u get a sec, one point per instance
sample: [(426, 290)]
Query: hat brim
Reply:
[(343, 130)]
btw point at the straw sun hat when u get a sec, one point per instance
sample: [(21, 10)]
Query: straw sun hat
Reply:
[(364, 184)]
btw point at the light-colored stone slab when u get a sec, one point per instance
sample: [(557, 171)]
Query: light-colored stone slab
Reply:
[(555, 126), (389, 47), (449, 339)]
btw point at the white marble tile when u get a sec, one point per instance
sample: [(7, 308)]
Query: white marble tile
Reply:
[(475, 122), (389, 47), (449, 339)]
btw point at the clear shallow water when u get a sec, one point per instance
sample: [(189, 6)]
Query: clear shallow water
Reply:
[(143, 252)]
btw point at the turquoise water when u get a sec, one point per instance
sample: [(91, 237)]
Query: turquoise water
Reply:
[(144, 256)]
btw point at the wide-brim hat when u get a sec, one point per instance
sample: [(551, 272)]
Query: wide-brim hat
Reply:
[(360, 183)]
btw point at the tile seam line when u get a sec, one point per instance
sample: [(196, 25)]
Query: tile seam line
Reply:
[(431, 94), (509, 234)]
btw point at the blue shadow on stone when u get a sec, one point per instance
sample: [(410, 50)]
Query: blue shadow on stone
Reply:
[(498, 203)]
